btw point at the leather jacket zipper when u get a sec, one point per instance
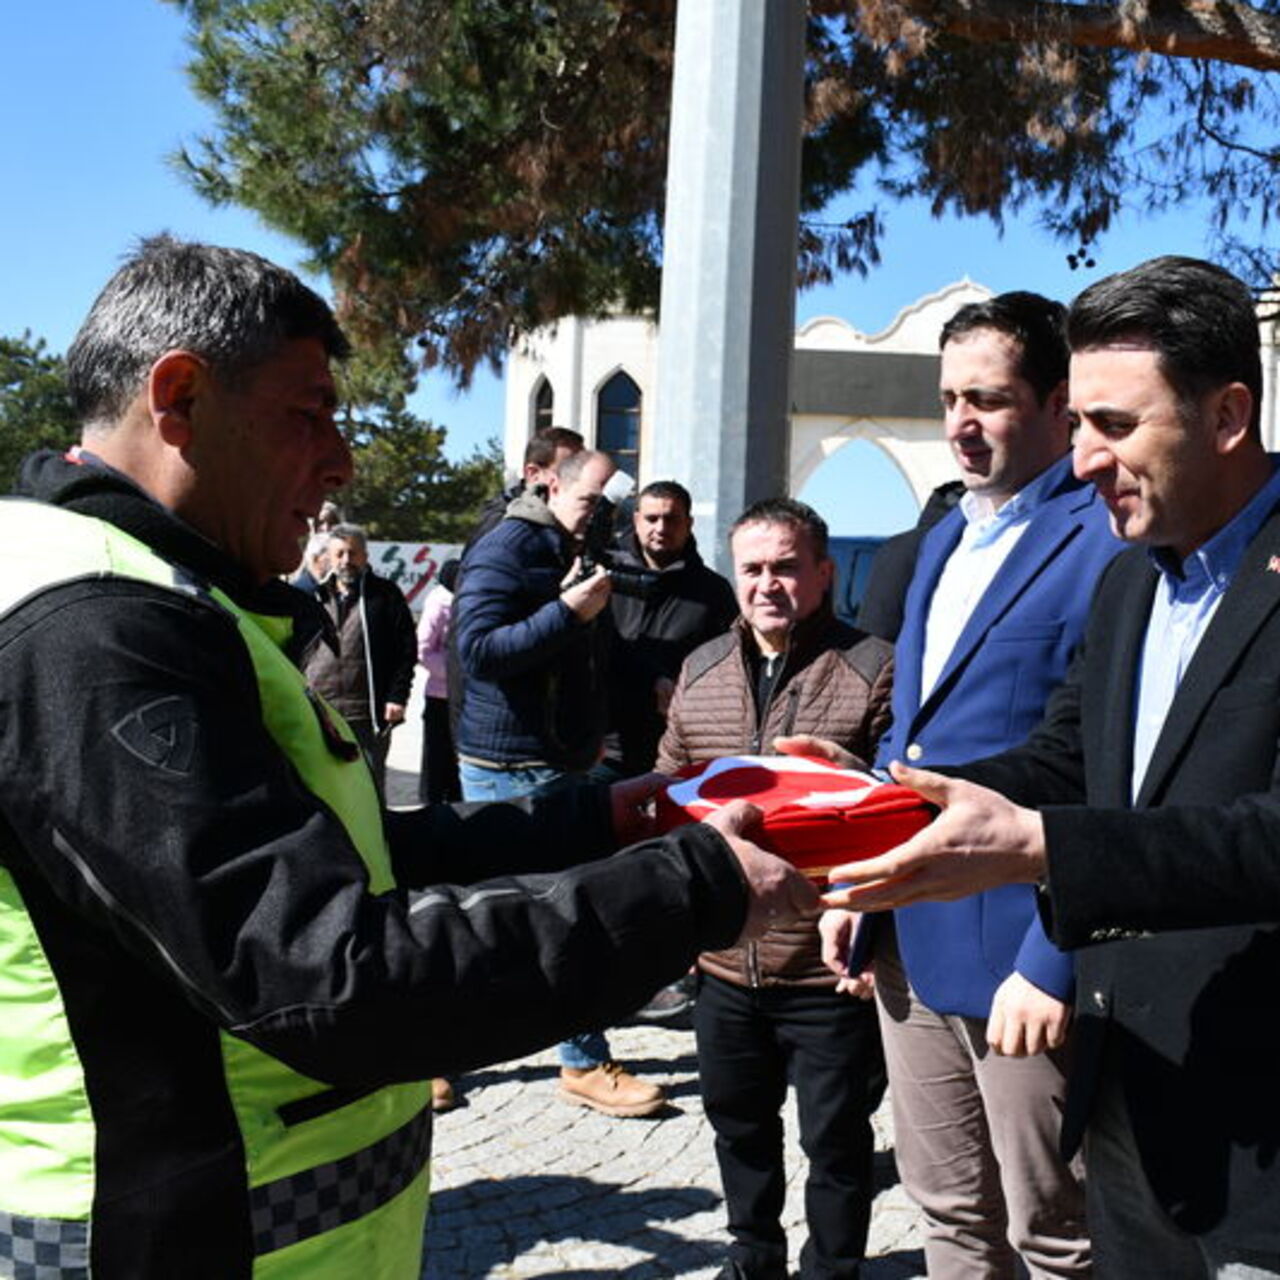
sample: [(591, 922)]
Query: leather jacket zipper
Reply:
[(757, 748)]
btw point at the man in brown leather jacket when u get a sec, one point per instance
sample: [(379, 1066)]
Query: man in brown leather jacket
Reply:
[(770, 1010)]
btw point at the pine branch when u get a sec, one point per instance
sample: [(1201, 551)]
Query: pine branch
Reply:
[(1221, 30)]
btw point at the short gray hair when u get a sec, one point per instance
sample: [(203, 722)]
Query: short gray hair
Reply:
[(349, 533), (230, 307)]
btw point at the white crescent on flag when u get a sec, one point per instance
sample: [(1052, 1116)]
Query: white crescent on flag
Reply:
[(771, 781)]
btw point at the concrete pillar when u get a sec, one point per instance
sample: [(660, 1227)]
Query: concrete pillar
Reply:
[(575, 418), (728, 286)]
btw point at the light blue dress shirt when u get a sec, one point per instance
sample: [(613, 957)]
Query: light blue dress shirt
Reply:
[(1187, 596), (990, 535)]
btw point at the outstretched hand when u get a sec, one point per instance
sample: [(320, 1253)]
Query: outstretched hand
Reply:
[(779, 893), (631, 807), (805, 744), (979, 840)]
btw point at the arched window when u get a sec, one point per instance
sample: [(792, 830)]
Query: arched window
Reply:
[(618, 422), (544, 402)]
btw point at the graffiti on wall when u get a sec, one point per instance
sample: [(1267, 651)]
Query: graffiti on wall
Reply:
[(412, 566)]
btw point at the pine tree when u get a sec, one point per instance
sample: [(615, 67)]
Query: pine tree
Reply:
[(469, 170), (35, 407)]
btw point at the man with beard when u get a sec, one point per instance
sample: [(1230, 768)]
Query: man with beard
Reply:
[(368, 674), (665, 603), (975, 1004)]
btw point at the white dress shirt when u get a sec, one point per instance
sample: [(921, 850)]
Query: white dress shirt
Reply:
[(990, 534)]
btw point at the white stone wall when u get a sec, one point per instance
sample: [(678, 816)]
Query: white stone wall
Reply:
[(1269, 328), (579, 356), (914, 330)]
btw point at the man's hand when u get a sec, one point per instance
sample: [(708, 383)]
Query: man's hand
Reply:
[(779, 893), (980, 840), (1024, 1020), (393, 713), (837, 929), (631, 807), (804, 744), (588, 597)]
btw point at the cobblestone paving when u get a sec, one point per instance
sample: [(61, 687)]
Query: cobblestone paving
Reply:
[(526, 1185)]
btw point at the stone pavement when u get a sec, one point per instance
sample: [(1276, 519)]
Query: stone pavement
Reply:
[(526, 1185)]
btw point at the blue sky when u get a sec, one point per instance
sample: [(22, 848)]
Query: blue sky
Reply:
[(96, 98)]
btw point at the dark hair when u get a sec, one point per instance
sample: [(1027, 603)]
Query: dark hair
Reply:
[(671, 490), (542, 446), (1199, 320), (230, 307), (448, 574), (797, 515), (1036, 323)]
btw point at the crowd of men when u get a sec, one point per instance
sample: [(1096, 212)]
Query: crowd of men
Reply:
[(230, 973)]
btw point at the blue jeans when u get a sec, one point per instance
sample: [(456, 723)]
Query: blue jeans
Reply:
[(479, 783), (589, 1049)]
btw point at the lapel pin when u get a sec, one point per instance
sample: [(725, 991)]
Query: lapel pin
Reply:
[(1273, 565)]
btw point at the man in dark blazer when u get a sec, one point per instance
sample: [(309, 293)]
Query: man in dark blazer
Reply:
[(994, 611), (880, 609), (1156, 780)]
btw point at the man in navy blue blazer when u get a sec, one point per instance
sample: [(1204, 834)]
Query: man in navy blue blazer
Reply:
[(975, 1002)]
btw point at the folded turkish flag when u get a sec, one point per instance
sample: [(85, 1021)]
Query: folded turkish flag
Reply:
[(816, 815)]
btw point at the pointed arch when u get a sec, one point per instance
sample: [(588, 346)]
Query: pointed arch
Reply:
[(542, 405), (618, 403)]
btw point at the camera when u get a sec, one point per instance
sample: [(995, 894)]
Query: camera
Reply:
[(627, 579)]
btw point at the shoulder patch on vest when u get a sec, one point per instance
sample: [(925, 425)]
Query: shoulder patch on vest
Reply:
[(161, 734)]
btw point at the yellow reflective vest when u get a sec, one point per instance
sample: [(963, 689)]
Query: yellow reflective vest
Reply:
[(336, 1188)]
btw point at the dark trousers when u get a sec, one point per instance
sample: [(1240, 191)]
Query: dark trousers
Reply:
[(1133, 1236), (374, 745), (751, 1042), (438, 780)]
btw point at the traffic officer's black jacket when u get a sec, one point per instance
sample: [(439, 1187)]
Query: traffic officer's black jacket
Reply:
[(186, 881)]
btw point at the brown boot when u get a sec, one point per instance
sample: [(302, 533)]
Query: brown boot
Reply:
[(611, 1089)]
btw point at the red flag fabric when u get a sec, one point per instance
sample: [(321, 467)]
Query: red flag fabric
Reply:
[(816, 815)]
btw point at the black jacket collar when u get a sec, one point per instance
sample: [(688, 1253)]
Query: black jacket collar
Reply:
[(627, 549), (89, 487)]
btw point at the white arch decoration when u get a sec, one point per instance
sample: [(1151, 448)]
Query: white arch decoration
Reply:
[(916, 448)]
